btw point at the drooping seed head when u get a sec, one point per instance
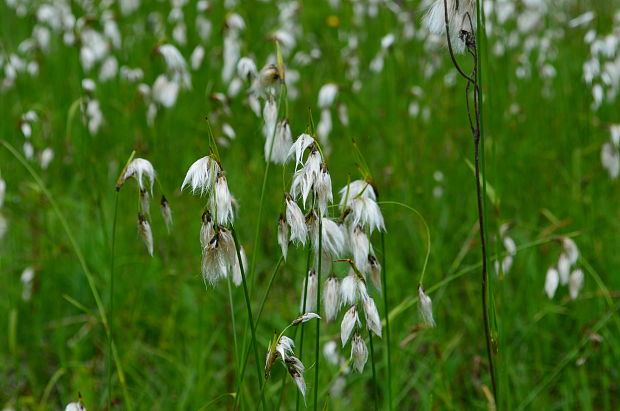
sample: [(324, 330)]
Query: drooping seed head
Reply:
[(349, 321), (359, 352), (425, 305), (144, 230), (552, 280)]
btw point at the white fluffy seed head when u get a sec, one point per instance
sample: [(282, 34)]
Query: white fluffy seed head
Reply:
[(349, 289), (327, 95), (323, 189), (285, 347), (164, 91), (575, 283), (207, 229), (564, 268), (426, 307), (366, 212), (236, 272), (281, 143), (221, 201), (359, 352), (460, 14), (299, 146), (349, 321), (360, 248), (375, 271), (331, 298), (142, 170), (246, 68), (552, 280), (309, 293), (296, 369), (283, 235), (355, 189), (296, 221), (75, 406), (144, 230), (166, 213), (304, 318), (145, 205), (570, 250), (333, 243), (201, 175), (373, 322)]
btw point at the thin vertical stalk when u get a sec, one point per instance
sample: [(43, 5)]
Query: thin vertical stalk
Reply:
[(374, 373), (111, 299), (301, 343), (386, 310), (318, 321), (231, 304), (250, 318)]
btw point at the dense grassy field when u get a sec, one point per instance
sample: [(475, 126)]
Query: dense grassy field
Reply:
[(65, 232)]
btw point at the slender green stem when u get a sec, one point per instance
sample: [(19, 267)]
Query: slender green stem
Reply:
[(260, 311), (386, 311), (231, 303), (317, 348), (111, 297), (301, 343), (374, 373), (78, 252), (250, 318)]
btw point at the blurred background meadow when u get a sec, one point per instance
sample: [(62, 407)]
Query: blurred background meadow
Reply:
[(84, 83)]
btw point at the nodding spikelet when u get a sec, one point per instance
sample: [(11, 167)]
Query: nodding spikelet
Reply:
[(349, 321), (366, 212), (425, 305), (283, 233), (295, 220), (207, 230), (236, 271), (268, 77), (141, 170), (461, 19), (305, 318), (575, 283), (311, 289), (355, 189), (145, 205), (360, 247), (372, 315), (176, 64), (323, 189), (285, 347), (218, 257), (305, 179), (564, 268), (270, 116), (76, 406), (351, 289), (327, 95), (299, 146), (246, 69), (359, 352), (570, 250), (331, 298), (375, 271), (552, 280), (144, 230), (296, 369), (166, 213), (221, 201), (201, 175), (281, 144)]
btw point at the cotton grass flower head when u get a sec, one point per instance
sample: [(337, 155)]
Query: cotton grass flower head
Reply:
[(333, 240), (349, 321), (366, 212), (166, 213), (201, 175), (360, 247), (371, 313), (461, 20), (426, 307), (351, 288), (165, 92), (309, 292), (176, 64), (75, 406), (145, 205), (295, 220), (552, 280), (207, 229), (299, 147), (355, 189), (221, 201), (219, 256), (575, 283), (283, 235), (304, 318), (270, 117), (375, 271), (359, 352), (323, 188), (280, 143), (267, 79), (246, 69), (144, 230), (305, 179), (236, 271), (331, 298), (327, 95)]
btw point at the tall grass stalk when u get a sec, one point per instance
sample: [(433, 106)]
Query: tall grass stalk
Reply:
[(111, 299), (303, 328), (250, 318), (386, 312), (318, 321), (78, 252), (374, 372)]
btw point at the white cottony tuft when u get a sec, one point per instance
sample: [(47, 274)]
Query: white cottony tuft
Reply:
[(283, 233), (360, 248), (564, 268), (350, 319), (144, 229), (246, 68), (221, 201), (75, 406), (610, 159), (570, 250), (366, 212), (166, 213), (552, 280), (281, 144), (333, 238), (359, 352), (331, 298), (296, 221), (461, 19), (327, 94), (207, 230), (270, 117), (323, 189), (575, 283), (426, 307), (349, 289), (296, 369), (145, 204), (299, 146), (355, 189), (201, 175), (305, 179), (176, 65), (375, 271), (139, 168), (324, 128), (308, 301), (236, 272), (219, 256), (165, 92), (285, 347), (372, 315), (305, 318)]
